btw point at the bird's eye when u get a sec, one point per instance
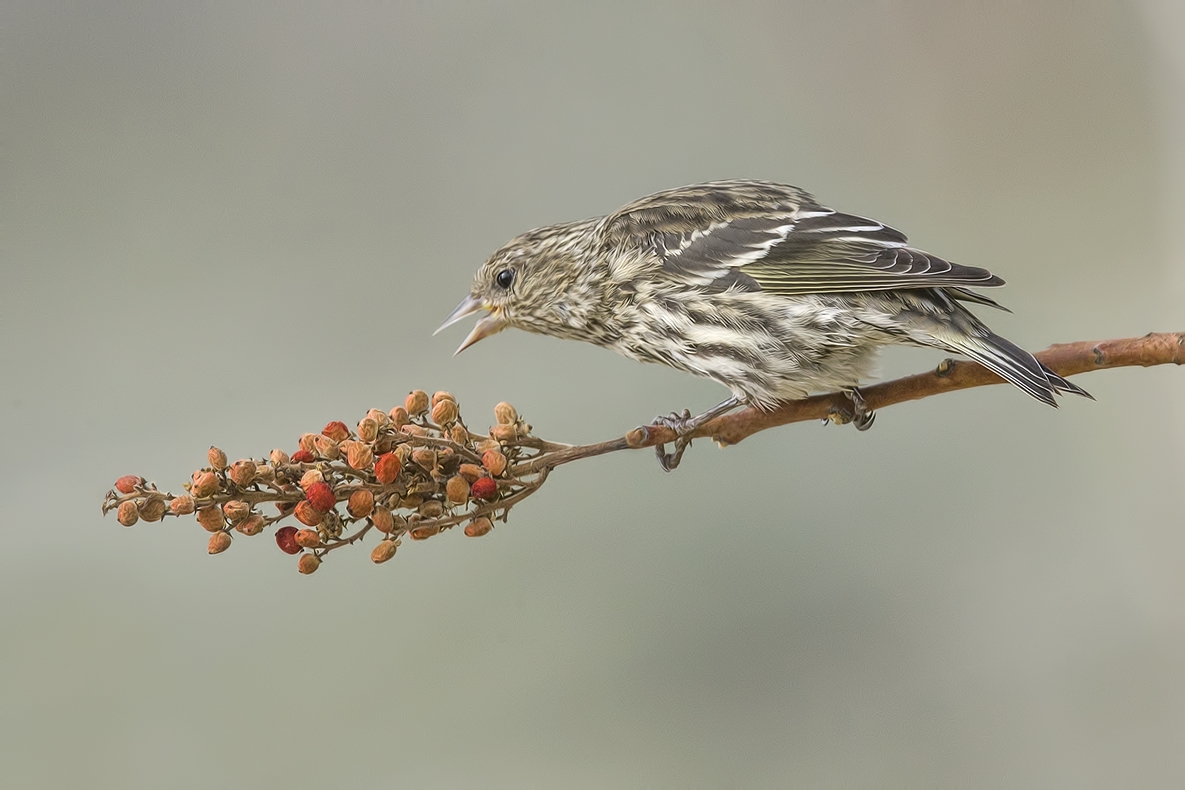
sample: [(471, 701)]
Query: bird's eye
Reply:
[(504, 278)]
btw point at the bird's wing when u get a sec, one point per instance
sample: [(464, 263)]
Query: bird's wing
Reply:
[(754, 235)]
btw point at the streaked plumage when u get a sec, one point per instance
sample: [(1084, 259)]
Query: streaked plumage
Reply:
[(749, 283)]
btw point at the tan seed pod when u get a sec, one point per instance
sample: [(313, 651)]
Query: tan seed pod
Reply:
[(488, 444), (505, 414), (379, 416), (457, 490), (444, 412), (403, 451), (440, 395), (416, 403), (494, 461), (368, 428), (360, 456), (383, 520), (236, 510), (278, 457), (326, 448), (217, 459), (182, 505), (309, 538), (308, 563), (204, 484), (153, 509), (424, 457), (424, 532), (361, 503), (307, 514), (478, 527), (128, 514), (308, 442), (310, 477), (398, 416), (414, 430), (504, 433), (219, 542), (470, 472), (384, 551), (431, 508), (252, 525), (210, 517), (265, 474), (411, 501), (458, 434), (242, 472)]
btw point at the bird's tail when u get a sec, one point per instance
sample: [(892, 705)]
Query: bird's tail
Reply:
[(1015, 365)]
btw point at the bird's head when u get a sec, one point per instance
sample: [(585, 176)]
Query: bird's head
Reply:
[(540, 281)]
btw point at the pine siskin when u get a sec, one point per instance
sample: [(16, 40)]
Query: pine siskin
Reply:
[(751, 284)]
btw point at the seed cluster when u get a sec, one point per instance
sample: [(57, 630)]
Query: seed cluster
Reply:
[(413, 471)]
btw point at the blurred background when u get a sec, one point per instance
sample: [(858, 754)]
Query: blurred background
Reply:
[(229, 224)]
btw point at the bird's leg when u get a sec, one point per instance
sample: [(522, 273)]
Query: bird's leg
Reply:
[(861, 416), (683, 425)]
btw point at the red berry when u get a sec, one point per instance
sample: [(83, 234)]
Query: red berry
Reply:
[(336, 430), (302, 457), (286, 540), (386, 469), (484, 488), (127, 484), (320, 496)]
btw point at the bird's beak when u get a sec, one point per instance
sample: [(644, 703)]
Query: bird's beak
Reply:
[(490, 324)]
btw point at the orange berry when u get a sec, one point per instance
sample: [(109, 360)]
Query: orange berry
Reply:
[(217, 459), (424, 532), (252, 525), (242, 473), (308, 441), (308, 538), (416, 403), (386, 469), (444, 412), (210, 517), (494, 461), (470, 471), (384, 551), (361, 503), (398, 416), (307, 514), (336, 430), (478, 527), (128, 514), (359, 455), (368, 428), (204, 484), (308, 563), (457, 490), (424, 457), (326, 447), (219, 542), (128, 483), (310, 477), (383, 520), (505, 414), (152, 509), (182, 505), (278, 457), (236, 510)]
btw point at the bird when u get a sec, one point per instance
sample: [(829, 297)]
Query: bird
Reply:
[(753, 284)]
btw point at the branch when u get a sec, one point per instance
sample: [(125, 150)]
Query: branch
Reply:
[(418, 470)]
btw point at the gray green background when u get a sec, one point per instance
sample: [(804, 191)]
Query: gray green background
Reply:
[(230, 224)]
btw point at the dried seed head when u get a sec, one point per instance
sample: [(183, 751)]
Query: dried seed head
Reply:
[(242, 472), (416, 403), (265, 474), (217, 459), (488, 444), (310, 477), (308, 563), (505, 414), (236, 510), (153, 509), (457, 490), (204, 484), (424, 532), (368, 428), (384, 551), (458, 434), (252, 525), (470, 471), (308, 538), (336, 430), (128, 514), (359, 455), (398, 416), (320, 496), (440, 395), (484, 488), (383, 520), (210, 517), (378, 415), (286, 540), (505, 433), (278, 457), (386, 468), (424, 457), (302, 457), (444, 412), (478, 527), (181, 505), (326, 447), (219, 542), (308, 442), (307, 514), (431, 508), (494, 461), (128, 483), (361, 503)]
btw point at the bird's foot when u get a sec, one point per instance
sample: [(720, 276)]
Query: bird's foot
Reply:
[(682, 424), (860, 415)]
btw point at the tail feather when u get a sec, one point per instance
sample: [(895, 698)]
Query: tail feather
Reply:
[(1017, 366)]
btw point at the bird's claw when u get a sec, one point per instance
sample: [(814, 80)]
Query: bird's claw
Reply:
[(682, 424)]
